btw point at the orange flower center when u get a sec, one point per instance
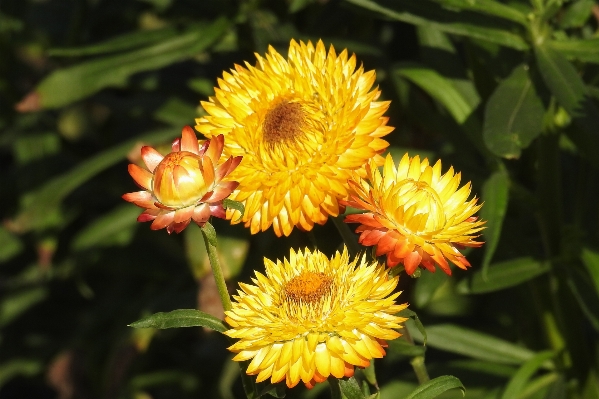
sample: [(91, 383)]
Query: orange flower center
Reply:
[(179, 181), (308, 287), (283, 123), (423, 210)]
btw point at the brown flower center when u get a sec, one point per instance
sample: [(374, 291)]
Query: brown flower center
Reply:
[(308, 287), (283, 123)]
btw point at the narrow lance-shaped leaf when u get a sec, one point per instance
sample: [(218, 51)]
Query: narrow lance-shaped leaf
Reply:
[(495, 197), (585, 294), (436, 387), (513, 115), (425, 14), (180, 318), (119, 43), (590, 259), (474, 344), (489, 7), (502, 275), (67, 85), (528, 369), (586, 50)]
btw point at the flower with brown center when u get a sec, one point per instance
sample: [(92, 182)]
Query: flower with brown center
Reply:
[(302, 125), (186, 184), (312, 317), (415, 215)]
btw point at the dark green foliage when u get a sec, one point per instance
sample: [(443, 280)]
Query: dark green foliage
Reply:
[(506, 91)]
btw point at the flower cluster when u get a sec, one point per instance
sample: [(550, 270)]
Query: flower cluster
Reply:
[(309, 129)]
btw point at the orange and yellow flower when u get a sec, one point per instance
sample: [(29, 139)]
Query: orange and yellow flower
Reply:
[(415, 215), (186, 184), (311, 317), (302, 125)]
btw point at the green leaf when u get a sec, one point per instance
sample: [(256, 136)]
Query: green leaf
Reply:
[(210, 234), (113, 228), (180, 318), (513, 115), (16, 367), (119, 43), (576, 14), (517, 383), (568, 88), (586, 50), (423, 13), (10, 245), (15, 304), (495, 197), (437, 87), (591, 387), (67, 85), (351, 389), (502, 275), (436, 387), (489, 7), (590, 259), (474, 344), (38, 206)]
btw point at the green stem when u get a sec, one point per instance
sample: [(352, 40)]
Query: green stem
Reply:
[(335, 388), (417, 362), (351, 241), (217, 271)]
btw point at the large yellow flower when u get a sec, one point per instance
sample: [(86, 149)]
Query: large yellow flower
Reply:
[(302, 124), (311, 317), (415, 216)]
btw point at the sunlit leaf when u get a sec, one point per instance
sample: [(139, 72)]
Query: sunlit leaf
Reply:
[(439, 88), (517, 383), (180, 318), (436, 387), (495, 197), (576, 14), (502, 275), (474, 344), (513, 115)]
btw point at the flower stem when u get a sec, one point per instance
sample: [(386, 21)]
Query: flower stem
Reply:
[(419, 367), (335, 388), (348, 236), (210, 241)]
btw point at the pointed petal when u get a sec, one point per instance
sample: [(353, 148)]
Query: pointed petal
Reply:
[(151, 157), (189, 140), (142, 177)]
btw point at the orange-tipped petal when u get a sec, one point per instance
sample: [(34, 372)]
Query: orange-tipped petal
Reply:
[(142, 177), (189, 140)]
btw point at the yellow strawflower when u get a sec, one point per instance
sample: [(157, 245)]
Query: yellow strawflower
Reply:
[(302, 124), (311, 317), (415, 215)]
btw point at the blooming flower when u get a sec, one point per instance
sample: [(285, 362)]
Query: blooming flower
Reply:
[(311, 317), (302, 124), (415, 215), (186, 184)]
